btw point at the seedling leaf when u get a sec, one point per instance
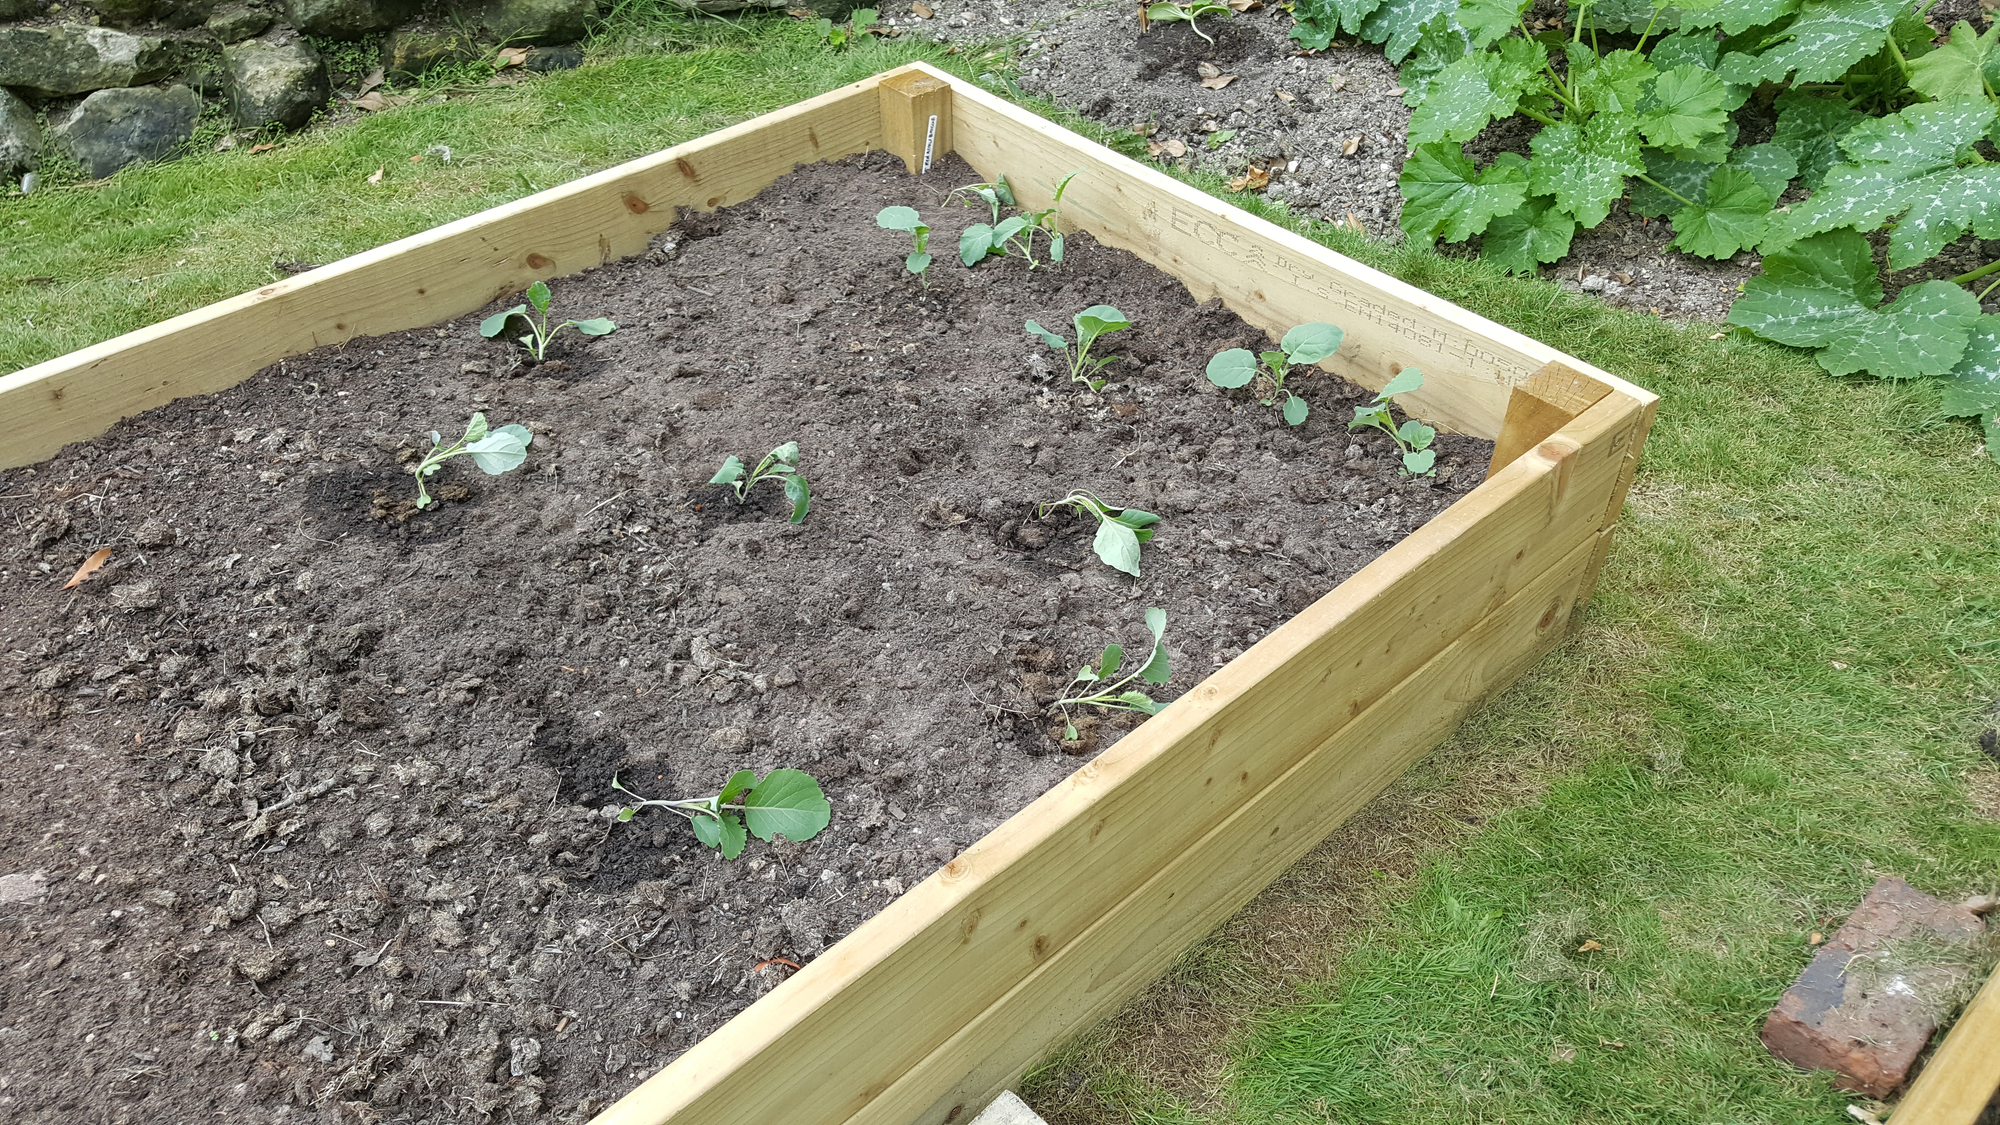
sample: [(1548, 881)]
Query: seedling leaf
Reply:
[(1107, 665), (1034, 328), (1118, 546), (1406, 380), (1310, 343), (498, 451), (474, 430), (595, 326), (732, 468), (737, 783), (1295, 410), (899, 218), (800, 494), (1140, 701), (975, 243), (497, 323), (1233, 368), (538, 296), (1156, 623), (787, 802)]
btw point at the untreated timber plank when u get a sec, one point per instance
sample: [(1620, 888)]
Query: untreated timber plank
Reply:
[(916, 118), (428, 277), (1959, 1081), (1091, 977), (827, 1042), (1541, 406), (1271, 277)]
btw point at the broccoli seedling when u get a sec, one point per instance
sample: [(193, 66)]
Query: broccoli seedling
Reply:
[(1413, 438), (781, 464), (1168, 13), (539, 332), (1308, 343), (786, 802), (1120, 531), (495, 451), (1014, 235), (907, 219), (1093, 685), (862, 21), (1091, 323)]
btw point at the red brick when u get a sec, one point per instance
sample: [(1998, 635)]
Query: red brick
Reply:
[(1870, 1025)]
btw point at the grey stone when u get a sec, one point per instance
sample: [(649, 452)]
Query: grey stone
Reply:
[(22, 887), (349, 19), (233, 23), (282, 85), (1008, 1109), (538, 21), (114, 128), (46, 62), (20, 137), (543, 60), (410, 51)]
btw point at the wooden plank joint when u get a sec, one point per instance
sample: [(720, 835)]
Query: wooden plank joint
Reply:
[(916, 118), (1550, 399)]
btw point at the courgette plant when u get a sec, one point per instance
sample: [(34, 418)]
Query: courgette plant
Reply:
[(785, 802)]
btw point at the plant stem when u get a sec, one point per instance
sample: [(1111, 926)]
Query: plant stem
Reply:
[(1983, 293), (1896, 53), (1537, 115), (1975, 275), (1648, 33), (1668, 190)]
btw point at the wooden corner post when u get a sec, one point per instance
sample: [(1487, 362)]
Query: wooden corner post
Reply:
[(916, 118)]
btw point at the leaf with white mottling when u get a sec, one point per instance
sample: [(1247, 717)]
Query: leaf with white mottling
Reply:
[(1828, 37), (1474, 90), (1906, 165), (1331, 15), (1396, 24), (1923, 332), (1584, 169), (1811, 128), (1972, 389), (1772, 165), (1960, 67), (1685, 108), (1615, 83), (1735, 17)]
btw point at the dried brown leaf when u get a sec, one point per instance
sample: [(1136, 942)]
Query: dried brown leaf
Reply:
[(90, 566), (1353, 142), (1241, 6), (1209, 70), (1287, 97), (922, 11), (1591, 946), (1337, 81), (513, 56), (255, 149), (1217, 83), (1176, 148), (1255, 179), (374, 79), (377, 177)]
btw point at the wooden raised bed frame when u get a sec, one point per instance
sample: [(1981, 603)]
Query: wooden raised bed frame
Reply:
[(1058, 916)]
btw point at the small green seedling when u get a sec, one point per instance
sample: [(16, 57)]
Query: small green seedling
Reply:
[(1014, 235), (1308, 343), (1120, 531), (1412, 437), (907, 219), (786, 803), (1168, 13), (781, 464), (494, 451), (861, 22), (1094, 685), (1091, 323), (539, 332)]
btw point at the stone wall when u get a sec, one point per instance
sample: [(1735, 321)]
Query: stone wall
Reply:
[(112, 82)]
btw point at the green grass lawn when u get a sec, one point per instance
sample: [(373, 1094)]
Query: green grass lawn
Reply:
[(1769, 703)]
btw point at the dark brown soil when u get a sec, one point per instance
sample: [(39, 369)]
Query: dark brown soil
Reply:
[(303, 796)]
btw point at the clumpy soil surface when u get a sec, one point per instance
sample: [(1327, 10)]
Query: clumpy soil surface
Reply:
[(305, 804)]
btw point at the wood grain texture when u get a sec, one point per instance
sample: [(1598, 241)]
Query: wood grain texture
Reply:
[(1963, 1074), (1200, 888), (1271, 277), (837, 1035), (911, 100), (423, 279), (1615, 505), (1541, 406)]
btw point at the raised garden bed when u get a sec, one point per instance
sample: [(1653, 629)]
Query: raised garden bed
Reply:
[(1036, 928)]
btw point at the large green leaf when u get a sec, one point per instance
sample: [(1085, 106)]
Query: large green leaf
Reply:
[(1729, 218), (789, 803), (1335, 15), (1617, 82), (1442, 43), (1445, 196), (1684, 49), (1828, 37), (1972, 389), (1906, 164), (1686, 108), (1312, 342), (1773, 166), (1685, 179), (1810, 128), (1397, 24), (1966, 66), (1476, 89), (1735, 17), (1537, 233), (1489, 21), (1584, 169), (1817, 293)]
